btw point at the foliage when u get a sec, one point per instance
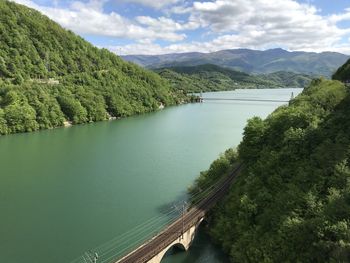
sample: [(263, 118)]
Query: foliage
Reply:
[(292, 201), (49, 75), (210, 77), (288, 79), (217, 170), (343, 73)]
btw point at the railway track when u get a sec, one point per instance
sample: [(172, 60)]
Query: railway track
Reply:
[(175, 230)]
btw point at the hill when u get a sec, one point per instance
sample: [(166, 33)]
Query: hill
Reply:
[(343, 73), (288, 79), (292, 201), (210, 77), (49, 75), (250, 61)]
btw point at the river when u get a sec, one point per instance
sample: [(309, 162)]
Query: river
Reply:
[(68, 190)]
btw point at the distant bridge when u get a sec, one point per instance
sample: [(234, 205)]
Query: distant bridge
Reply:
[(201, 99), (237, 99), (179, 233)]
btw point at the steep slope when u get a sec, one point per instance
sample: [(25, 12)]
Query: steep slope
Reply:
[(288, 79), (210, 77), (191, 70), (49, 75), (292, 202), (251, 61), (343, 73)]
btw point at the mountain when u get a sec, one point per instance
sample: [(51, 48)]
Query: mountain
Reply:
[(250, 61), (210, 77), (291, 202), (288, 79), (343, 73), (50, 76)]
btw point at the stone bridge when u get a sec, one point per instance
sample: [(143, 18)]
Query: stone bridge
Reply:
[(182, 232)]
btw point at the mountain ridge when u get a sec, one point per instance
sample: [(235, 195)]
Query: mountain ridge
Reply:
[(209, 77), (250, 61)]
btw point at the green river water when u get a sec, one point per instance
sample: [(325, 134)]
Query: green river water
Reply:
[(68, 190)]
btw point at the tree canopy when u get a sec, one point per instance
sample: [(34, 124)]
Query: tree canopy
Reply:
[(49, 75), (292, 201), (343, 73)]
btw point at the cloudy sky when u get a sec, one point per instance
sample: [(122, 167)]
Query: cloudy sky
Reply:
[(169, 26)]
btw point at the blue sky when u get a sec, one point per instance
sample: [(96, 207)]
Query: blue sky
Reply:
[(169, 26)]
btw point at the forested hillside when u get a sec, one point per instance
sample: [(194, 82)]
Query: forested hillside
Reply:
[(288, 79), (209, 77), (292, 201), (49, 75), (343, 73)]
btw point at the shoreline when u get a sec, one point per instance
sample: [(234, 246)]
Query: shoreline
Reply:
[(68, 124)]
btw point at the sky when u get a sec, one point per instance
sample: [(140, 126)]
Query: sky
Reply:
[(152, 27)]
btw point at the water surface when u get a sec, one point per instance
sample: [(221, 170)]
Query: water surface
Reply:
[(67, 190)]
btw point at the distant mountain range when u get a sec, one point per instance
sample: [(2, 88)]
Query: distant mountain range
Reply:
[(209, 77), (250, 61)]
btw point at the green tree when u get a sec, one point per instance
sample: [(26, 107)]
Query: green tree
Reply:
[(291, 203), (3, 124), (73, 109), (86, 82), (20, 118)]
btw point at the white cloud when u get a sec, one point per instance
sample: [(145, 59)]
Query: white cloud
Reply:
[(226, 42), (262, 24), (179, 9), (165, 24), (88, 18), (157, 4), (257, 24), (340, 17)]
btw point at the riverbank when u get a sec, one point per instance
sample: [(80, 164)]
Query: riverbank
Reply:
[(29, 119)]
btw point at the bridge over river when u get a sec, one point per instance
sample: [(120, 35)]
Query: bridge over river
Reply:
[(179, 233), (238, 99), (243, 99)]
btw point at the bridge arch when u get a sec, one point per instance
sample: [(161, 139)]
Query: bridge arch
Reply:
[(183, 242), (180, 246)]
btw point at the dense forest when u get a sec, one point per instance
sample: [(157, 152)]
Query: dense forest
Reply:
[(292, 201), (49, 75), (209, 77), (343, 73)]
